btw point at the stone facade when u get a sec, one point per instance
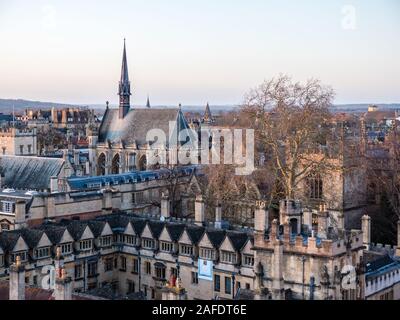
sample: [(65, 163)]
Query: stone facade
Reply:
[(18, 142)]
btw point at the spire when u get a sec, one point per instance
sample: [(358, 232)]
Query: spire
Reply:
[(148, 102), (207, 114), (124, 87)]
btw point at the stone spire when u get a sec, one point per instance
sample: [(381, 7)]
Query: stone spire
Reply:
[(148, 102), (124, 87), (207, 118)]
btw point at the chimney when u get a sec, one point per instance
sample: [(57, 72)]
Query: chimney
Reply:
[(261, 219), (322, 222), (218, 216), (76, 157), (366, 230), (165, 206), (20, 214), (199, 210), (107, 201), (17, 280), (54, 184), (63, 285)]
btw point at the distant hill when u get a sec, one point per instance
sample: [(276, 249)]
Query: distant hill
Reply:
[(6, 106)]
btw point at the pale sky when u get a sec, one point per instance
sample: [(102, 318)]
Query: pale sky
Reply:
[(191, 52)]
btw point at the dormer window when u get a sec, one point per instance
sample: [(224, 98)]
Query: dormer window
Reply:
[(129, 240), (248, 260), (186, 250), (167, 246), (148, 243), (23, 255), (105, 241), (85, 245), (66, 248), (207, 254), (41, 253), (228, 257)]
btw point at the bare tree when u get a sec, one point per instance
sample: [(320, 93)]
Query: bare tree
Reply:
[(290, 120)]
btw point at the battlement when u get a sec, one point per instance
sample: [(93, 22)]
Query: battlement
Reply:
[(15, 132), (310, 245)]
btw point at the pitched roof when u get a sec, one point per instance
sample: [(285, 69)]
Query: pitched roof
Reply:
[(216, 237), (76, 228), (175, 231), (32, 236), (238, 239), (8, 239), (195, 233), (133, 128), (54, 232), (31, 173), (156, 228)]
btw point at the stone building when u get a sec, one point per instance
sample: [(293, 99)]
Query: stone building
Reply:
[(18, 142), (121, 143)]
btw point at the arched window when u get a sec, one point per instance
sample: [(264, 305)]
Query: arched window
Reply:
[(115, 164), (315, 187), (101, 165)]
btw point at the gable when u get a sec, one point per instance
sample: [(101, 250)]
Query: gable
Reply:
[(44, 241), (87, 234), (129, 230), (165, 235), (146, 232), (106, 230), (66, 237), (247, 248), (185, 238), (205, 241), (20, 245), (227, 245)]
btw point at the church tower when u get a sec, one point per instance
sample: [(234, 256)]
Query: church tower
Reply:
[(124, 88)]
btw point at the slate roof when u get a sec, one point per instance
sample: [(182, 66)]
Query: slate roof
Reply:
[(216, 237), (8, 239), (156, 228), (32, 236), (53, 232), (175, 231), (238, 239), (195, 233), (29, 173), (96, 227), (137, 123), (76, 228)]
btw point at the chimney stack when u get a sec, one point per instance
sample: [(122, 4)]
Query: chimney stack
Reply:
[(107, 201), (199, 209), (20, 214), (261, 219), (165, 206), (218, 216), (366, 229), (17, 280)]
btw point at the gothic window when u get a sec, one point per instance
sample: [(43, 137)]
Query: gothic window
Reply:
[(315, 187), (101, 165), (115, 164), (21, 149), (29, 148)]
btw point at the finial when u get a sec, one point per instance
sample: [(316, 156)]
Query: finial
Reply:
[(18, 261), (107, 103), (58, 253), (63, 273)]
